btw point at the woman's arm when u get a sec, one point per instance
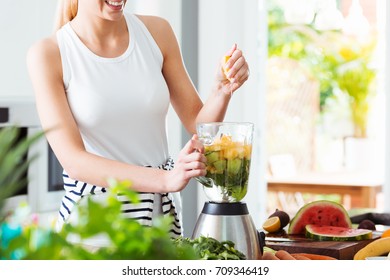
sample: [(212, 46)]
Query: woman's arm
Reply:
[(184, 98), (226, 83), (45, 69)]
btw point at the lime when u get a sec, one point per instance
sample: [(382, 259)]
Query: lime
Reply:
[(272, 224)]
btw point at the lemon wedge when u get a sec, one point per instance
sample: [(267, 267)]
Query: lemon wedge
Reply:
[(272, 224), (225, 69)]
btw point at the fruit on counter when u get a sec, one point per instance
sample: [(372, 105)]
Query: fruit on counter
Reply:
[(331, 233), (320, 212), (386, 233), (283, 216), (272, 224), (376, 248), (227, 166), (276, 221), (367, 224)]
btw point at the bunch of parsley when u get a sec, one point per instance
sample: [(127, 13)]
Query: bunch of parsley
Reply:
[(208, 248)]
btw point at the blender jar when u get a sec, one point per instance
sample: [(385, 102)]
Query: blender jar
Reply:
[(228, 149)]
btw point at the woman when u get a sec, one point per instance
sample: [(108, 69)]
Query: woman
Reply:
[(104, 81)]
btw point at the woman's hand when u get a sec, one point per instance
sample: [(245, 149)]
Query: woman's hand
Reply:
[(233, 72), (191, 163)]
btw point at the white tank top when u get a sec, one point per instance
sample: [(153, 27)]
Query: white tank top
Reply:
[(120, 104)]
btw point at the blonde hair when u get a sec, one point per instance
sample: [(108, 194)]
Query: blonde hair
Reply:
[(66, 11)]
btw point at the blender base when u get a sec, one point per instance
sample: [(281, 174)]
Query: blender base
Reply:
[(229, 221)]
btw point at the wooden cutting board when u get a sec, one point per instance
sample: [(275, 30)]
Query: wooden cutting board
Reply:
[(342, 250)]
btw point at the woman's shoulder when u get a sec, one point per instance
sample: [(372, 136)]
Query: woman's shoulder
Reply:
[(161, 31), (154, 22), (46, 48)]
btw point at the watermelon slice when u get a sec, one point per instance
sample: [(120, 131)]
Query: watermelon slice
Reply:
[(322, 213), (329, 233)]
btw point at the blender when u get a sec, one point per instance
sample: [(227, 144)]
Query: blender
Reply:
[(228, 149)]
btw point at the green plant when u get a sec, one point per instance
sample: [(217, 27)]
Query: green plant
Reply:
[(208, 248), (355, 77), (311, 48), (127, 239), (13, 166), (22, 238), (339, 63), (13, 162)]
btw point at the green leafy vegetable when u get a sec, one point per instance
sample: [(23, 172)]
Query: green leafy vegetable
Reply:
[(22, 238), (208, 248), (126, 238)]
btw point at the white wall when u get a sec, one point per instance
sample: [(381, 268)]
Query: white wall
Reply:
[(168, 9), (21, 24)]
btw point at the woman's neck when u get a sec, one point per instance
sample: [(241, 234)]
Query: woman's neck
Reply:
[(104, 37)]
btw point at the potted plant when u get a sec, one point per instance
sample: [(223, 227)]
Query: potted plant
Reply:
[(12, 166), (355, 77), (12, 170)]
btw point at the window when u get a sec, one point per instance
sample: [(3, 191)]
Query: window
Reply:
[(325, 103)]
